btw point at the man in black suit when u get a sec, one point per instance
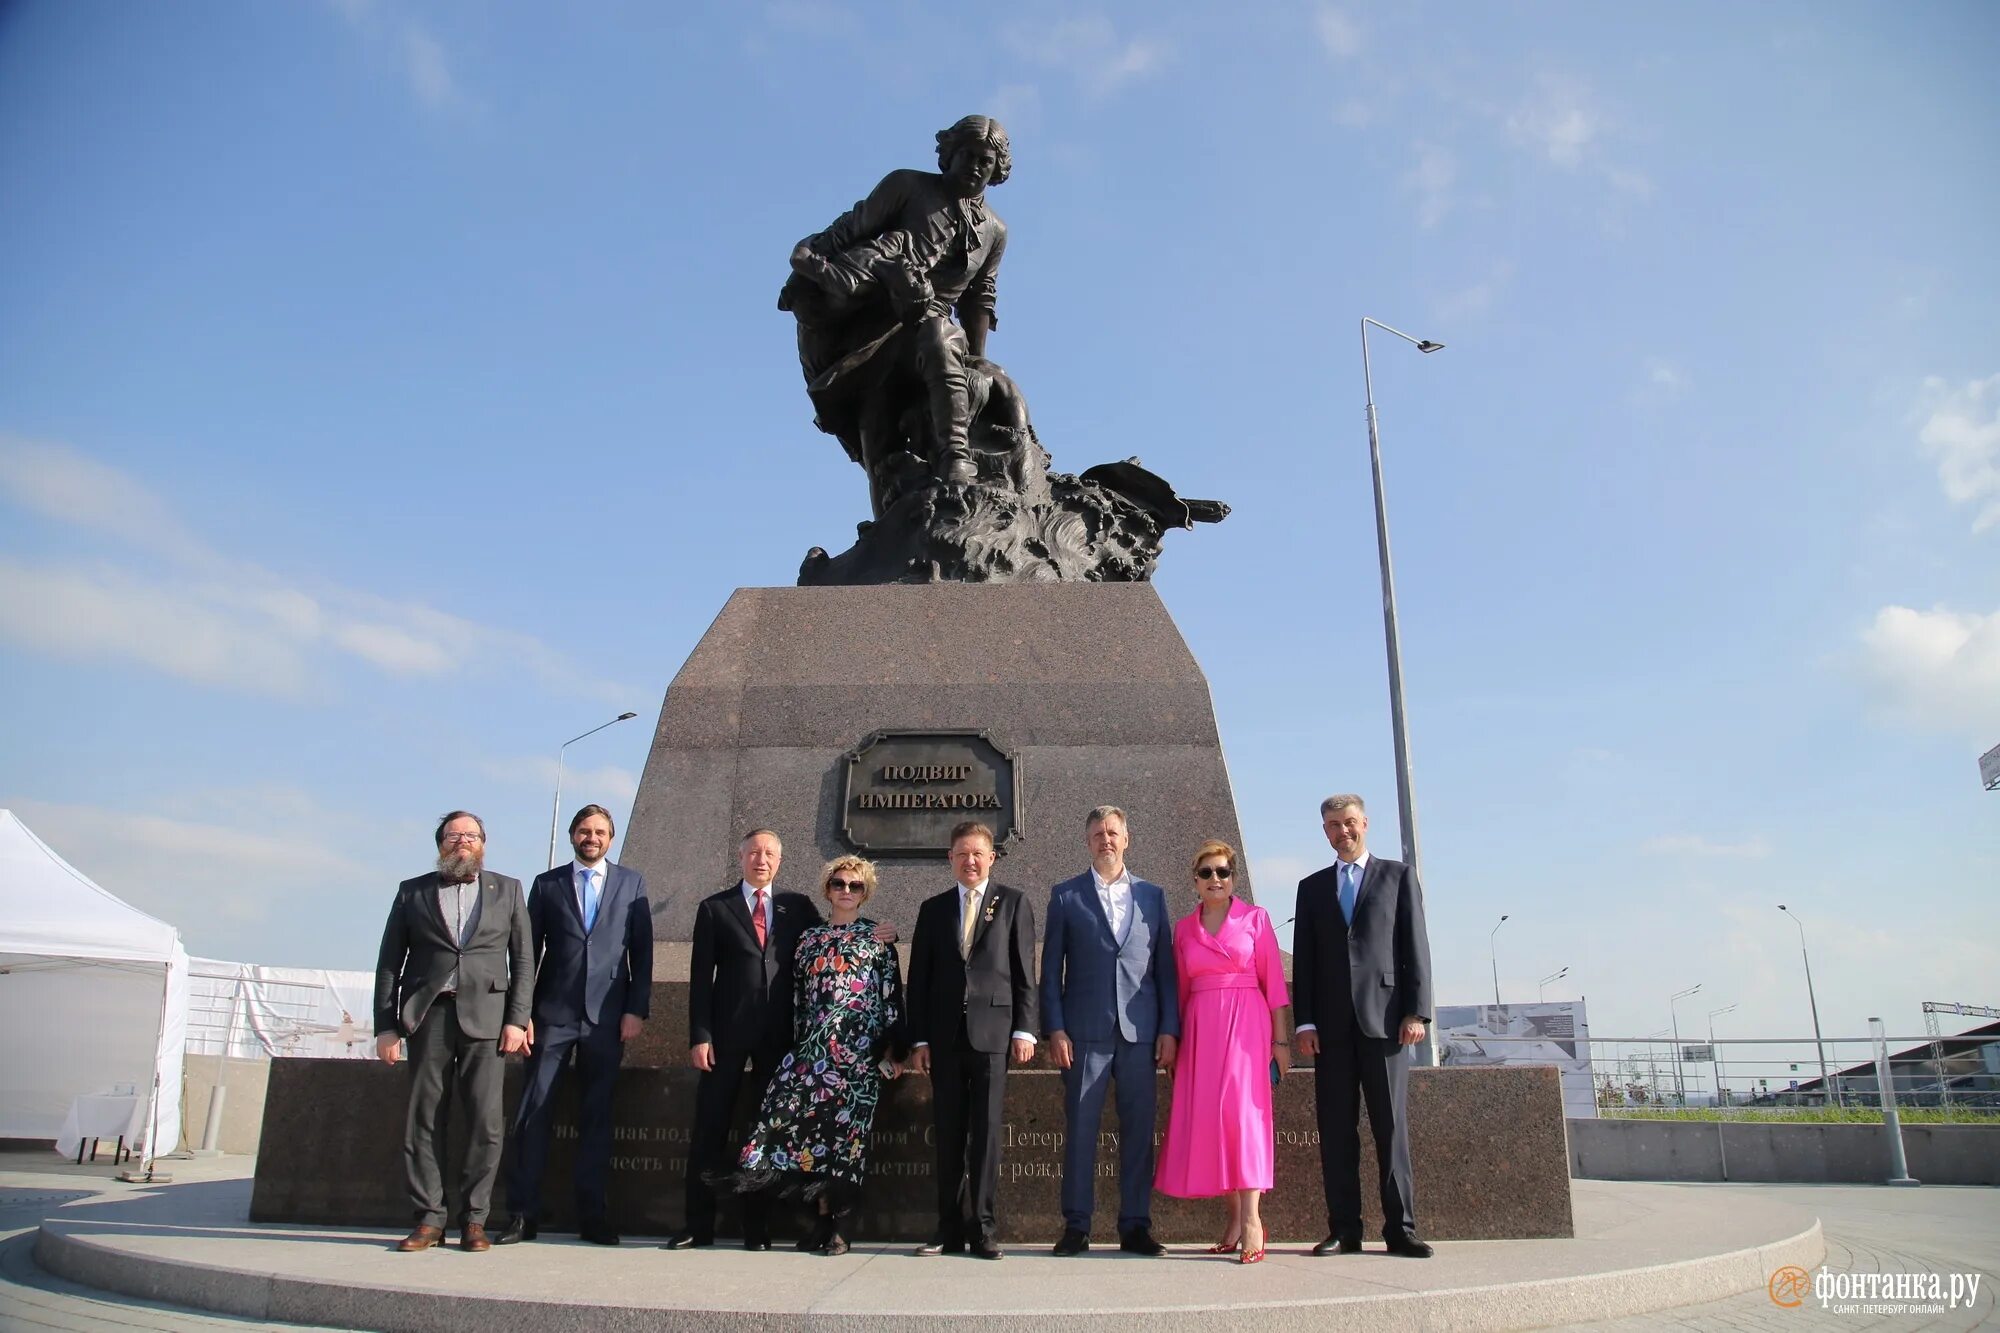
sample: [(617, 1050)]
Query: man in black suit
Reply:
[(453, 976), (971, 1003), (1361, 993), (739, 1011), (593, 946)]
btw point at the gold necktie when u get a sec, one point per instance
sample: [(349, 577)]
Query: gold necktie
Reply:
[(971, 919)]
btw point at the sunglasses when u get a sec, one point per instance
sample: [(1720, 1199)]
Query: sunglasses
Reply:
[(1215, 872), (846, 886)]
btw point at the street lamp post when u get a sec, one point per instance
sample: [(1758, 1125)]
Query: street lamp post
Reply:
[(1406, 803), (1543, 992), (1680, 1088), (1494, 958), (555, 813), (1720, 1094), (1825, 1087)]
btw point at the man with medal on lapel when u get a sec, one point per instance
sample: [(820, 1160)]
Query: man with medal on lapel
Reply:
[(971, 1005)]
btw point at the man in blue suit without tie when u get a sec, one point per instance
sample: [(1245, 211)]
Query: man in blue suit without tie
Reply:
[(1111, 1006), (593, 946)]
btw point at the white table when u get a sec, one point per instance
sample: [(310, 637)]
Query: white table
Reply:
[(101, 1115)]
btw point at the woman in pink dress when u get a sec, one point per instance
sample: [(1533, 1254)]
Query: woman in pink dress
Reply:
[(1232, 986)]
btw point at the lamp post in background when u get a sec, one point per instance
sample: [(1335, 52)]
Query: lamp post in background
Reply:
[(1493, 957), (1825, 1087), (1720, 1092), (1543, 993), (1680, 1088), (555, 814), (1406, 801)]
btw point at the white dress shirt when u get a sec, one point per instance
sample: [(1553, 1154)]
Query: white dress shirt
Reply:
[(750, 902), (1115, 897), (1360, 872)]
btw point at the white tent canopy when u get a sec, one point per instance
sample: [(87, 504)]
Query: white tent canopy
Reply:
[(94, 991)]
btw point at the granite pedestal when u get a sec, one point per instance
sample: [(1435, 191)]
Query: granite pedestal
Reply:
[(1491, 1160), (1090, 687)]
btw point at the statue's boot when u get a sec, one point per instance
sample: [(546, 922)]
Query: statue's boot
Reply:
[(941, 354)]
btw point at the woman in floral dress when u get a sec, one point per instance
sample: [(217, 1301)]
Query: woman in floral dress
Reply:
[(810, 1141)]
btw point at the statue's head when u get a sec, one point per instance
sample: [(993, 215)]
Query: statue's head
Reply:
[(976, 133)]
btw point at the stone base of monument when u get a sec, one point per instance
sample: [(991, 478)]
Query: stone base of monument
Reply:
[(1640, 1250), (1491, 1159)]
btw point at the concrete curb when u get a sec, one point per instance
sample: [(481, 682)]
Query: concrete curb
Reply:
[(94, 1258)]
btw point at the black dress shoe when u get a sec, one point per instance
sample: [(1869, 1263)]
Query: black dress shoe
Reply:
[(756, 1243), (597, 1232), (942, 1243), (1139, 1240), (684, 1240), (518, 1229), (985, 1249), (1337, 1244), (1407, 1245), (1072, 1242)]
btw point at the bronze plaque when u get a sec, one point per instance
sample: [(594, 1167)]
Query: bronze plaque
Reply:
[(902, 792)]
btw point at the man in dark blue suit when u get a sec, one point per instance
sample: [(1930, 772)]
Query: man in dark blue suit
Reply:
[(1111, 1004), (1361, 994), (593, 945)]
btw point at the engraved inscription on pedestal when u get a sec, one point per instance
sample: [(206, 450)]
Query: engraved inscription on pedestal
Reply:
[(902, 792)]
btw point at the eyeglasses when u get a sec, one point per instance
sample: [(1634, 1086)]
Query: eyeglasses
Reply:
[(846, 886), (1214, 872), (464, 837)]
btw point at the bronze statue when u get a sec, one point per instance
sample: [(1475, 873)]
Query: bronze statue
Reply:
[(958, 481)]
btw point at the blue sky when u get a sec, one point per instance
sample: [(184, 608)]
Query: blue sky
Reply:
[(390, 392)]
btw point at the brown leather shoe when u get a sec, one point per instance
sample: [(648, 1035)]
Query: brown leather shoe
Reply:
[(474, 1238), (421, 1239)]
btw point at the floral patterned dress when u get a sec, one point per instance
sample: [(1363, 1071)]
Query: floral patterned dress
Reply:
[(811, 1135)]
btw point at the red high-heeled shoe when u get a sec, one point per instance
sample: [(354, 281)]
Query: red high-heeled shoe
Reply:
[(1250, 1256), (1225, 1246)]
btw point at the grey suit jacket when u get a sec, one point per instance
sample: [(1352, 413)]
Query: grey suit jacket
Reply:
[(496, 973), (1096, 988), (1372, 974)]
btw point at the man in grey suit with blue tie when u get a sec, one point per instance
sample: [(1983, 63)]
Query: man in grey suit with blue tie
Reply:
[(1111, 1006), (592, 929)]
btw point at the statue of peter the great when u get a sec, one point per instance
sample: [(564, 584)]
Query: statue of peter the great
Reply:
[(875, 295)]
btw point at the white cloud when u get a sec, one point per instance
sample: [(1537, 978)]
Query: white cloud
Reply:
[(1962, 432), (1661, 381), (1338, 33), (1697, 845), (1938, 669), (1354, 114), (92, 614), (1475, 301), (56, 481), (1562, 122), (1557, 121), (1089, 48), (608, 785), (189, 872), (198, 615), (428, 70), (1431, 180), (1018, 106), (418, 56)]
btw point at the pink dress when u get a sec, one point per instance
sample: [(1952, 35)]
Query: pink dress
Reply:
[(1219, 1134)]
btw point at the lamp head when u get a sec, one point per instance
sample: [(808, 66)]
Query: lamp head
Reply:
[(1428, 346), (622, 716)]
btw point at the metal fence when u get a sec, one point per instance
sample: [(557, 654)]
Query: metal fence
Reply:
[(1778, 1077)]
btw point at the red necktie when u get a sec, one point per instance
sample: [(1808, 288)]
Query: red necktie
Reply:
[(757, 920)]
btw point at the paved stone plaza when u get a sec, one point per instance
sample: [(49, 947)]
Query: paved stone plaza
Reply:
[(1679, 1255)]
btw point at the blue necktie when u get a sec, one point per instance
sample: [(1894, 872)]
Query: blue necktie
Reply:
[(589, 899), (1348, 889)]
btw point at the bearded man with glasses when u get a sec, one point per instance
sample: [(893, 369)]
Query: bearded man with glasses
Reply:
[(455, 976)]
